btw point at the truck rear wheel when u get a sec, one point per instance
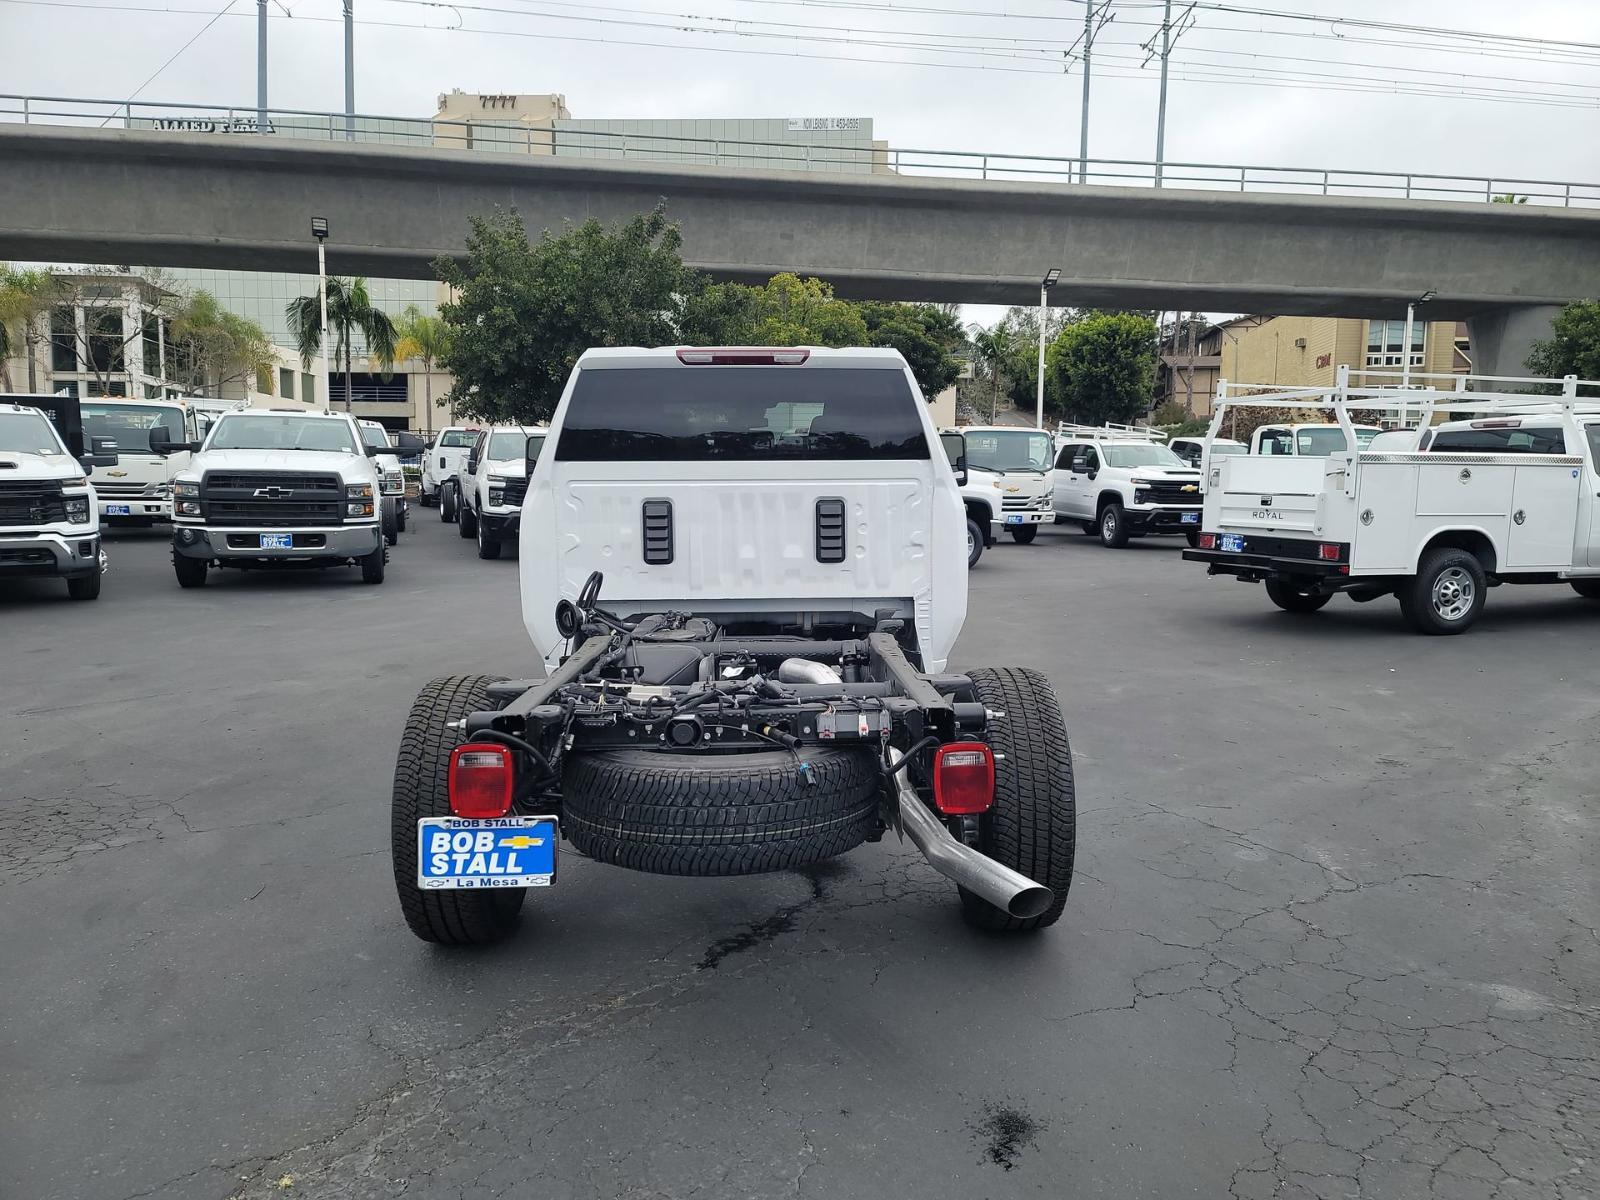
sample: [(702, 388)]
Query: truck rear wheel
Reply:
[(718, 814), (447, 503), (1033, 825), (488, 545), (974, 543), (191, 572), (1589, 589), (1447, 593), (391, 521), (1292, 599), (421, 789), (1024, 534), (84, 587)]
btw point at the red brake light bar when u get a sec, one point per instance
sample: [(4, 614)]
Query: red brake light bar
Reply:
[(747, 356)]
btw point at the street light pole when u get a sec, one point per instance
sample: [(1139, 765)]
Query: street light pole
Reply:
[(319, 230), (261, 66), (1405, 346), (1044, 319), (1161, 110), (349, 71), (1083, 125)]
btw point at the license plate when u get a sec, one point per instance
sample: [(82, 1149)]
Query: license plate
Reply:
[(119, 510), (1190, 519), (463, 854), (277, 541), (1233, 543), (1015, 520)]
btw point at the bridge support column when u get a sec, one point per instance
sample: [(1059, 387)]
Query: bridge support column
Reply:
[(1502, 338)]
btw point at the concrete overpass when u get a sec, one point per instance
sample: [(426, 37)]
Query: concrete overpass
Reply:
[(145, 198)]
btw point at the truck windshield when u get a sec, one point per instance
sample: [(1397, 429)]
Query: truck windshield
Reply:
[(741, 414), (28, 433), (373, 435), (995, 450), (507, 444), (129, 425), (1218, 449), (241, 432), (457, 439), (1150, 454), (1319, 441)]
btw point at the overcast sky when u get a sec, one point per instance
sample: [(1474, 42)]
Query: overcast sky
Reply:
[(1230, 99)]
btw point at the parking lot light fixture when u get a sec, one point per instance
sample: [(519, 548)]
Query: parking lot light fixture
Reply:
[(319, 230), (1048, 282)]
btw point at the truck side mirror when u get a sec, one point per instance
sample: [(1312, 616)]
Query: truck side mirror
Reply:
[(955, 448), (472, 463), (102, 453), (163, 445), (372, 451), (409, 443), (530, 452)]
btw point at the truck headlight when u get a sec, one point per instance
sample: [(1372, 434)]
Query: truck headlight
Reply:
[(362, 509), (187, 508), (77, 509), (185, 487), (358, 491), (497, 495)]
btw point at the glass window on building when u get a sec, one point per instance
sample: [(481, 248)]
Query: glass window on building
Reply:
[(63, 340), (286, 383), (1386, 341), (152, 346), (308, 387), (105, 337)]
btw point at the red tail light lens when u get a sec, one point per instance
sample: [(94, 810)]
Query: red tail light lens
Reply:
[(963, 778), (1207, 541), (747, 356), (1330, 551), (480, 780)]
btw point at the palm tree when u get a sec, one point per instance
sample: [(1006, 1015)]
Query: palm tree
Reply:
[(427, 338), (349, 309), (994, 347), (24, 295)]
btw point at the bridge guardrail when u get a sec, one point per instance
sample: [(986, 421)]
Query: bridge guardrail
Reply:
[(565, 140)]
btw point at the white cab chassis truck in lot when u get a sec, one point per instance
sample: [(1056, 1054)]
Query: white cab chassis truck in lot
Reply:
[(1509, 493), (1008, 484), (745, 569)]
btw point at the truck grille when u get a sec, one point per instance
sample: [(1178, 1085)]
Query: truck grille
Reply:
[(516, 491), (1023, 503), (31, 503), (118, 491), (266, 498), (1171, 491)]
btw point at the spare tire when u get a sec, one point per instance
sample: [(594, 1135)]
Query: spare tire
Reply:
[(718, 814)]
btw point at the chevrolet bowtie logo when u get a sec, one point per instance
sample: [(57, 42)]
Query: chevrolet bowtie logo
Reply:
[(521, 842), (1191, 487), (273, 493)]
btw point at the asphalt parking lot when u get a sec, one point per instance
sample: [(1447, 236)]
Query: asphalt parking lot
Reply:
[(1334, 931)]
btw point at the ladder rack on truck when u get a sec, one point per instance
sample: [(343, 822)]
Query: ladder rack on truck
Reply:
[(1110, 431), (1507, 491)]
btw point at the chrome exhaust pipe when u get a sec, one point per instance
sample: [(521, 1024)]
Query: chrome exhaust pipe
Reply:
[(998, 884)]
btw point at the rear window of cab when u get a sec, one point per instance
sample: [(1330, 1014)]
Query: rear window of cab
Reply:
[(741, 414)]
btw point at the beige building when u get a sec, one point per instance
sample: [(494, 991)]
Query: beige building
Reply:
[(1305, 352)]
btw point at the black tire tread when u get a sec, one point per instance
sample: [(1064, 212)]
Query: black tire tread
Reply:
[(1293, 600), (421, 789), (712, 815), (84, 587), (1416, 602), (1033, 826), (191, 572)]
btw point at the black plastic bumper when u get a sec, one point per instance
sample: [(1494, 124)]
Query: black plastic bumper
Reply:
[(500, 525), (1258, 567), (1160, 520)]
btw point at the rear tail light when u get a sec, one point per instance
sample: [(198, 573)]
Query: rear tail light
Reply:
[(1330, 552), (480, 780), (749, 356), (1207, 541), (963, 778)]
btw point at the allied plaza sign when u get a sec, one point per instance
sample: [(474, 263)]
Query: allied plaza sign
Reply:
[(198, 125)]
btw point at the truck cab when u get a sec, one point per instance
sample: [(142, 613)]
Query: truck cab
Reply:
[(1308, 441), (396, 511), (138, 490), (1008, 484), (1119, 482), (442, 462), (49, 521)]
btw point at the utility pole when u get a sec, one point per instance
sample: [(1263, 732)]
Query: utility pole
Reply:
[(1083, 127), (261, 66), (349, 71), (1169, 34)]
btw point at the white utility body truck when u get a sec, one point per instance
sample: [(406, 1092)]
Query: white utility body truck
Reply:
[(1506, 492)]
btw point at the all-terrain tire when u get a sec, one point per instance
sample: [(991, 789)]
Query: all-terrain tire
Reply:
[(1113, 527), (718, 814), (1292, 599), (191, 572), (1033, 825), (466, 520), (421, 789), (974, 543), (373, 565), (1589, 589), (1446, 594), (1024, 534), (488, 547), (447, 503), (84, 587), (391, 531), (400, 516)]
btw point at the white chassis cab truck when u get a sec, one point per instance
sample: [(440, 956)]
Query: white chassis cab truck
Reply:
[(745, 569), (440, 463), (1008, 484), (1510, 494), (277, 490), (492, 482), (49, 522)]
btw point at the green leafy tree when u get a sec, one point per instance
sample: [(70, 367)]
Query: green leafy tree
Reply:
[(426, 338), (929, 336), (350, 308), (524, 311), (209, 347), (1102, 367), (25, 296), (1508, 198), (1573, 347), (791, 311), (1021, 369), (994, 349)]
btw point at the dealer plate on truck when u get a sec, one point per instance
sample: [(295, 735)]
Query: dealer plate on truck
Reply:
[(1190, 518), (119, 510), (277, 541), (1016, 520), (464, 853), (1233, 543)]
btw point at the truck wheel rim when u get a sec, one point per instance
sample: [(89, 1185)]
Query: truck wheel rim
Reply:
[(1108, 524), (1453, 592), (971, 541)]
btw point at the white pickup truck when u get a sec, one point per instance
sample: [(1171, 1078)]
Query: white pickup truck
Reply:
[(1511, 494)]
